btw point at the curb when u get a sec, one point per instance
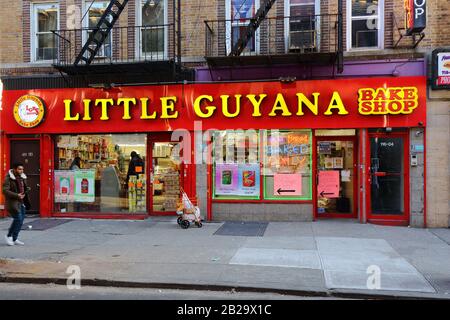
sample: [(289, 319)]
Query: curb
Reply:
[(212, 287)]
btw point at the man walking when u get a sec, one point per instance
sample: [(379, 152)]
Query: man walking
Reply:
[(16, 190)]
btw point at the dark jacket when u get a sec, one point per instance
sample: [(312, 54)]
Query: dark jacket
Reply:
[(135, 162), (11, 191)]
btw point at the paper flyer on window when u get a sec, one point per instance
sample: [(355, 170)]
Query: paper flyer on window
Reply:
[(84, 185), (248, 180), (64, 184), (226, 179)]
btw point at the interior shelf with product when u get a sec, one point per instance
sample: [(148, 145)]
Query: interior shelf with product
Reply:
[(107, 155), (166, 177)]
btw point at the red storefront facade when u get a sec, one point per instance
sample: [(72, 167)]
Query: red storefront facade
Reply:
[(321, 147)]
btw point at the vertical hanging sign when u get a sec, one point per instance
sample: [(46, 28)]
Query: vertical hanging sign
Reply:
[(416, 15)]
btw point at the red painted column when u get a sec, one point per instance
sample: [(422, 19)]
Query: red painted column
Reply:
[(3, 169), (47, 166)]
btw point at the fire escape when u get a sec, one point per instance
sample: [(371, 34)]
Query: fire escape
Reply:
[(312, 39), (123, 53)]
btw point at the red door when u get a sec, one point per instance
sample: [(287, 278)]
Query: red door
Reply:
[(168, 174), (388, 182)]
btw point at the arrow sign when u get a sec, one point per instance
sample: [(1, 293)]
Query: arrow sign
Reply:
[(289, 184), (281, 190), (328, 184)]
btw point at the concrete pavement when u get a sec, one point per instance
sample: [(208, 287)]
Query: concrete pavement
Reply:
[(326, 258)]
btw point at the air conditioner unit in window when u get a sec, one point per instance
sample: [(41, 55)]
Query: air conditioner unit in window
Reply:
[(302, 40), (46, 53)]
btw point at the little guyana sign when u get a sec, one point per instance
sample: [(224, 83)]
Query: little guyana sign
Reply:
[(355, 103)]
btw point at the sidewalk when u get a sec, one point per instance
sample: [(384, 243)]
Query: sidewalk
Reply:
[(327, 258)]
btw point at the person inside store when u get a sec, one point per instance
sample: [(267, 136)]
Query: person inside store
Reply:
[(136, 166), (76, 164), (17, 202), (120, 158)]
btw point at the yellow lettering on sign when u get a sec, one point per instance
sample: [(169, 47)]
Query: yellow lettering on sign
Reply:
[(87, 110), (197, 106), (225, 110), (394, 100), (144, 113), (280, 105), (336, 103), (67, 113), (126, 106), (104, 104), (256, 103), (168, 104), (313, 107)]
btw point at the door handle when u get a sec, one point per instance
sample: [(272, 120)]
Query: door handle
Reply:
[(380, 174)]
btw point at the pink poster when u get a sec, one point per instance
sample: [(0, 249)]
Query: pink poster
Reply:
[(328, 186), (287, 184), (64, 186)]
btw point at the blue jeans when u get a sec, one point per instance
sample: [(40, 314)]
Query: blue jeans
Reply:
[(17, 223)]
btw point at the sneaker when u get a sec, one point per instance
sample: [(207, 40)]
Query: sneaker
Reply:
[(9, 241), (18, 242)]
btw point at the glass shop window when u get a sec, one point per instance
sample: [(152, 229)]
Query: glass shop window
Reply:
[(100, 173), (236, 168), (287, 165)]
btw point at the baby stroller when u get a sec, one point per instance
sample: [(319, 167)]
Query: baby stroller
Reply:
[(188, 211)]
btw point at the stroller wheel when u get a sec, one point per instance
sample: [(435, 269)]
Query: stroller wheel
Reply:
[(199, 224), (179, 219), (185, 224)]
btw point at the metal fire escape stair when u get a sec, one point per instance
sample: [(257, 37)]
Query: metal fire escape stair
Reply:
[(99, 34), (254, 24)]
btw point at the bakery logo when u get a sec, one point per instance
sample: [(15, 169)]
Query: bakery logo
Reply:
[(29, 111)]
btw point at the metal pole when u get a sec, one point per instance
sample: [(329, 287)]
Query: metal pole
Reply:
[(340, 38), (179, 33)]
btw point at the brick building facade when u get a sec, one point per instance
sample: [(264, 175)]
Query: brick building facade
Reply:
[(392, 57)]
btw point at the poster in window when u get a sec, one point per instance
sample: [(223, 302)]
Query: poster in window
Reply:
[(226, 179), (248, 180), (338, 163), (287, 184), (64, 186), (324, 147), (329, 184), (328, 163), (84, 185)]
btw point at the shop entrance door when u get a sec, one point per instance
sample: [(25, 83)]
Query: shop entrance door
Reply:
[(389, 178), (28, 153), (336, 177), (166, 175)]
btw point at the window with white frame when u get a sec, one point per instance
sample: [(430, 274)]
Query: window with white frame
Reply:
[(153, 29), (238, 15), (95, 10), (365, 24), (302, 24), (45, 18)]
